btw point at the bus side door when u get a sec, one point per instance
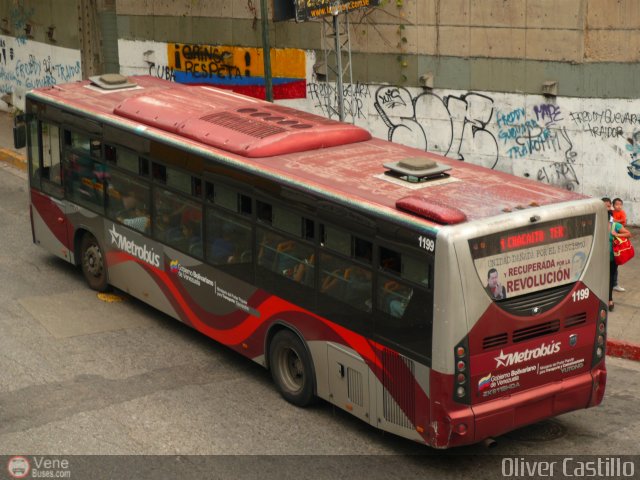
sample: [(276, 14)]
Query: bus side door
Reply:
[(48, 208)]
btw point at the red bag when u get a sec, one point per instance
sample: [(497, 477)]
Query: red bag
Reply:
[(622, 250)]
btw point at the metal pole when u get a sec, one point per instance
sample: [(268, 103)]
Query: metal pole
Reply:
[(336, 29), (266, 52)]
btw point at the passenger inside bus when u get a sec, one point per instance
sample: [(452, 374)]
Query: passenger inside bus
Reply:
[(358, 288), (189, 239), (285, 259), (222, 249), (134, 213), (267, 251), (304, 271), (332, 283), (396, 298), (180, 226)]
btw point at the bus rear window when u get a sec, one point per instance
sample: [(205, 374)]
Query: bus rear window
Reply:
[(533, 258)]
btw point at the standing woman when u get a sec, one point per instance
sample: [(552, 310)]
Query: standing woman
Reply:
[(618, 230)]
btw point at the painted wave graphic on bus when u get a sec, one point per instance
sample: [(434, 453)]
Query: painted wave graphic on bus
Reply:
[(245, 332)]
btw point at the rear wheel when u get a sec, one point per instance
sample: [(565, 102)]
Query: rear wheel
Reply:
[(93, 264), (291, 368)]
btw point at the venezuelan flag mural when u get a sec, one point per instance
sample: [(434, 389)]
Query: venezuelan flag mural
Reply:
[(239, 69)]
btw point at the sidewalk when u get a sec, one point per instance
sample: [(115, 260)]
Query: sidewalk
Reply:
[(8, 154), (624, 321)]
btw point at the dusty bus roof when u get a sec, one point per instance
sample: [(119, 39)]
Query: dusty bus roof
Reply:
[(334, 159)]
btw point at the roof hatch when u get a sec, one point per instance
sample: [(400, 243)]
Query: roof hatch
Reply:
[(111, 81), (416, 169)]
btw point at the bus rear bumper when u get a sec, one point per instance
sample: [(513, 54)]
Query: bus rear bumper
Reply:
[(502, 415), (497, 417)]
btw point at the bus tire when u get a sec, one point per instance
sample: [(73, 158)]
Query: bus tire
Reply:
[(93, 263), (291, 368)]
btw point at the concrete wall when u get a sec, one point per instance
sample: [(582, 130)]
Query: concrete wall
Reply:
[(40, 15), (590, 47)]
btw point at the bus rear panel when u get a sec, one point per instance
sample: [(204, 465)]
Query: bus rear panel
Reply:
[(532, 299)]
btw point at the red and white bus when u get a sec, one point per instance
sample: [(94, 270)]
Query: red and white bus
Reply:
[(438, 300)]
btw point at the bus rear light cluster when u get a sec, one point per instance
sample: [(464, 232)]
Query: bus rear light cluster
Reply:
[(601, 338), (461, 390)]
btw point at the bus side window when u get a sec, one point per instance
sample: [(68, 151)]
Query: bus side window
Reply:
[(128, 200), (405, 314), (51, 167), (358, 287), (83, 174), (228, 239), (286, 257), (228, 199), (346, 282), (178, 222), (394, 297)]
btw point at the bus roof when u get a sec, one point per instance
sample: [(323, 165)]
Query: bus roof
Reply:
[(336, 159)]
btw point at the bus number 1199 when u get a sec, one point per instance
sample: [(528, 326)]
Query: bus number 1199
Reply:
[(427, 243)]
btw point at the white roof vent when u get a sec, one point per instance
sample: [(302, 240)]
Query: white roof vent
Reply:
[(416, 170), (111, 81)]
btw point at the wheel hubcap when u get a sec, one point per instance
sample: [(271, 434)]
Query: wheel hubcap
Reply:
[(292, 370), (93, 261)]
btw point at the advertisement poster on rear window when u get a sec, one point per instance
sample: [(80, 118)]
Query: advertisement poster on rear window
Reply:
[(526, 260)]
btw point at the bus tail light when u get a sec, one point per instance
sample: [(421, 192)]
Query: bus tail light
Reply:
[(461, 374), (599, 346)]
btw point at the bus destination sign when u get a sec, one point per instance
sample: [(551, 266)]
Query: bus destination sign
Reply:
[(533, 258), (535, 237), (308, 9)]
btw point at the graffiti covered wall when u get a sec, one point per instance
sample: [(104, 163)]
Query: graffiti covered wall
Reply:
[(26, 64), (588, 145)]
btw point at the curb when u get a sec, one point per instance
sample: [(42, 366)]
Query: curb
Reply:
[(11, 157), (620, 349)]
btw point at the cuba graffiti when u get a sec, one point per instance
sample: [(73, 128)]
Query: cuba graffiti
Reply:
[(454, 126), (240, 69)]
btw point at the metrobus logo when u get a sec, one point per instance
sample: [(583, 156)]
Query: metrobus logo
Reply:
[(132, 248), (544, 350)]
